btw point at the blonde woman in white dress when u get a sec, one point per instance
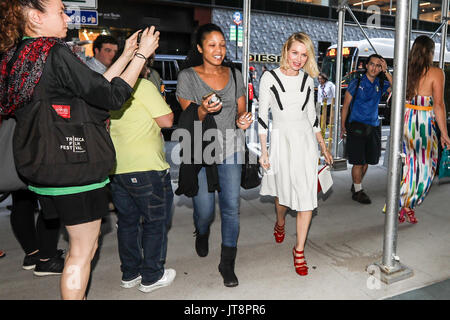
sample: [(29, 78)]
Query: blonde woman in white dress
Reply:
[(291, 164)]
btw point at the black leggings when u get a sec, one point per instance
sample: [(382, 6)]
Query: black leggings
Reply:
[(41, 235)]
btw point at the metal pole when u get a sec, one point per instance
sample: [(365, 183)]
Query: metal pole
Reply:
[(391, 269), (237, 37), (444, 15), (245, 49), (438, 29), (245, 64), (359, 25), (337, 101)]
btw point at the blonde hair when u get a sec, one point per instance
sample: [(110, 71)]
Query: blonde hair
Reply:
[(310, 66)]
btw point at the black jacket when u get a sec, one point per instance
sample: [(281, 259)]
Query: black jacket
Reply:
[(69, 100), (188, 175)]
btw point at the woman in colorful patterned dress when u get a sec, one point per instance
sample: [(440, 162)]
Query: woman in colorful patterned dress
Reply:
[(424, 110)]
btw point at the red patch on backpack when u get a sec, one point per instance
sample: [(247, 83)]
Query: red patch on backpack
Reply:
[(62, 110)]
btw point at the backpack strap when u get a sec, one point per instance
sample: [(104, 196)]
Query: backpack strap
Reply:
[(233, 72), (353, 101)]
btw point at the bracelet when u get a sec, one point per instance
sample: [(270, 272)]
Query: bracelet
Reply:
[(140, 55)]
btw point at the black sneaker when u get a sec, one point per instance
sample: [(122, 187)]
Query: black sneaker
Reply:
[(201, 243), (29, 262), (361, 197), (54, 266)]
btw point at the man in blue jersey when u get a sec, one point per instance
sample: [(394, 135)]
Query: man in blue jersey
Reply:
[(362, 128)]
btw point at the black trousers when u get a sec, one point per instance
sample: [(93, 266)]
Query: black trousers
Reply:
[(33, 235)]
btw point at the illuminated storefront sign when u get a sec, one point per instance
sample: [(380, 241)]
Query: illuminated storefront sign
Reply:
[(264, 58)]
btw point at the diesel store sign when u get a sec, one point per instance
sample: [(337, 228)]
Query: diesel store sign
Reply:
[(264, 58)]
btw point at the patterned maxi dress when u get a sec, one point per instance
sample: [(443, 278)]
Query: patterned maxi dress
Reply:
[(420, 145)]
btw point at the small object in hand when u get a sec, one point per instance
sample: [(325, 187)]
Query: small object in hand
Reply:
[(215, 98), (139, 37)]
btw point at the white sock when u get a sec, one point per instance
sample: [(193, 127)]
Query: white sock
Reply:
[(358, 187)]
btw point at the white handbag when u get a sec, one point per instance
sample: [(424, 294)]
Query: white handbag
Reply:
[(325, 180)]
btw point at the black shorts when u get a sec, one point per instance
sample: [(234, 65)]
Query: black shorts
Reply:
[(364, 150), (78, 208)]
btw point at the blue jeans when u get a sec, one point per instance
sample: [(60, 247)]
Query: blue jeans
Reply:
[(147, 195), (229, 196)]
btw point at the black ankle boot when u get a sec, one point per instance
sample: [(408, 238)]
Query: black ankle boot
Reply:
[(226, 266), (201, 243)]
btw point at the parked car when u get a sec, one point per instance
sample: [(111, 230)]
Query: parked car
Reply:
[(168, 67)]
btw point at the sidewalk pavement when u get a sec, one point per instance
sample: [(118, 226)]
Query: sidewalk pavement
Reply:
[(345, 237)]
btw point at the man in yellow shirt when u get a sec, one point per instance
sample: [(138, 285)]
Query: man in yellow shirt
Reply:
[(141, 187)]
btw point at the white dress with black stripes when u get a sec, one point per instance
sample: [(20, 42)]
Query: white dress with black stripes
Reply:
[(293, 151)]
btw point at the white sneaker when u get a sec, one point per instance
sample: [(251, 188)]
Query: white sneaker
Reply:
[(131, 283), (167, 279)]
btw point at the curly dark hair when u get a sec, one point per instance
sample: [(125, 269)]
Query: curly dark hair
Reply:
[(13, 20), (9, 29)]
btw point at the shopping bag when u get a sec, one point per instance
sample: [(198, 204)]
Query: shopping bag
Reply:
[(325, 180), (444, 166)]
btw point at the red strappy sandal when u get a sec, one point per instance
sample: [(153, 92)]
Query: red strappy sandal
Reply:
[(401, 215), (411, 216), (278, 233), (2, 254), (300, 267)]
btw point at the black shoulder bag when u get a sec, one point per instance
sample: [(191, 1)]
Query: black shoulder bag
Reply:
[(60, 142), (250, 176)]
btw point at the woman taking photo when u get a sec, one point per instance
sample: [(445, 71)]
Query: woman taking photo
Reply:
[(60, 84), (205, 78), (291, 166), (424, 109)]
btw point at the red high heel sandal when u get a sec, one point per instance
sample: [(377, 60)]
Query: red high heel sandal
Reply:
[(300, 267), (411, 216), (401, 215), (278, 233)]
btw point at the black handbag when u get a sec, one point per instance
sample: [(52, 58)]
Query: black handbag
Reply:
[(62, 143), (250, 176)]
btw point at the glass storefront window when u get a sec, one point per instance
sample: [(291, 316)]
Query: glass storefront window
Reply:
[(426, 10), (430, 11)]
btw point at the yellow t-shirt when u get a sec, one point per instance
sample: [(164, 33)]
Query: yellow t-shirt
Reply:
[(136, 136)]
